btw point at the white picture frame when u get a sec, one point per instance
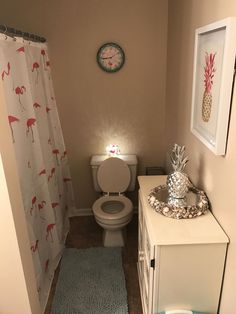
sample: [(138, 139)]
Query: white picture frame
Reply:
[(213, 74)]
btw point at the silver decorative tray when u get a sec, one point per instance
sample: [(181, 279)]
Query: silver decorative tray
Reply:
[(193, 205)]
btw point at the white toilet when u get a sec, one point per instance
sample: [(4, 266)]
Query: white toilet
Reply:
[(113, 211)]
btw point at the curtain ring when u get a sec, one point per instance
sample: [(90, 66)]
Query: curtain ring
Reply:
[(5, 31), (13, 32), (5, 28)]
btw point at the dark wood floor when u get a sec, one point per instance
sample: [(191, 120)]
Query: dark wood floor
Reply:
[(85, 233)]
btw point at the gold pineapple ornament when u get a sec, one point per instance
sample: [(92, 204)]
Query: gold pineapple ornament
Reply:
[(178, 182), (209, 72)]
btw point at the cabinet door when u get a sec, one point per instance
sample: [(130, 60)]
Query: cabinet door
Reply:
[(141, 259), (148, 269), (145, 270)]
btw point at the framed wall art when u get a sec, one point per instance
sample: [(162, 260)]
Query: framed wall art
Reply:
[(213, 75)]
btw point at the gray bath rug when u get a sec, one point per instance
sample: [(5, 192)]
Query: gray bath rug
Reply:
[(91, 281)]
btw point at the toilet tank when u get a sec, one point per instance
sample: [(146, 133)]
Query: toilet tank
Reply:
[(130, 160)]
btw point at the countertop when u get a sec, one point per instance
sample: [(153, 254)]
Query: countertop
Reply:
[(167, 231)]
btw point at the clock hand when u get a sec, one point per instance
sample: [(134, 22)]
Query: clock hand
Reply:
[(106, 58), (109, 57)]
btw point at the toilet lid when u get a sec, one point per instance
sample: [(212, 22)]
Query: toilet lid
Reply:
[(113, 175)]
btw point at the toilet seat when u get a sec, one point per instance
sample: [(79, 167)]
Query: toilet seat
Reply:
[(112, 216)]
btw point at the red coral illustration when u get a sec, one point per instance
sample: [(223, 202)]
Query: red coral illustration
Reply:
[(42, 172), (7, 72), (64, 155), (30, 122), (36, 105), (12, 119), (41, 205), (33, 204), (35, 68), (56, 153), (20, 90), (46, 265), (21, 49), (43, 53), (34, 247), (53, 170), (54, 206), (66, 180), (49, 231), (48, 109)]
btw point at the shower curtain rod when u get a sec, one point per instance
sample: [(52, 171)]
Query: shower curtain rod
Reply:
[(10, 31)]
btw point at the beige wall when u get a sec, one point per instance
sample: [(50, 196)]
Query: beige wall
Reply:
[(97, 108), (215, 174)]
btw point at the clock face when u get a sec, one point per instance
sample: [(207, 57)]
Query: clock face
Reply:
[(110, 57)]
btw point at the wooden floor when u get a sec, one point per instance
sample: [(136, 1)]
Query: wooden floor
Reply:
[(85, 233)]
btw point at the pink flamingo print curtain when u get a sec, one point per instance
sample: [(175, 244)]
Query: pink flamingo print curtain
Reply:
[(40, 152)]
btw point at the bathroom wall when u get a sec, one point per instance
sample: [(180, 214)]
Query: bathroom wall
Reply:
[(215, 174), (96, 108)]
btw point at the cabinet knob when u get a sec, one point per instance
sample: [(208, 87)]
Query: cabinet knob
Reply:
[(141, 255)]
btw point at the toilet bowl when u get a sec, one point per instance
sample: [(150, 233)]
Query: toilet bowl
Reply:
[(113, 211)]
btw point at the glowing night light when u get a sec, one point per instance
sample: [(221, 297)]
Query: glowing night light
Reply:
[(112, 150)]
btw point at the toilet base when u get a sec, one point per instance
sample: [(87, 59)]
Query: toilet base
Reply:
[(114, 238)]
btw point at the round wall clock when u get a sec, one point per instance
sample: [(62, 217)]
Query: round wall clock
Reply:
[(110, 57)]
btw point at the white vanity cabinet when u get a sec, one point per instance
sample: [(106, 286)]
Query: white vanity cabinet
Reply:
[(180, 262)]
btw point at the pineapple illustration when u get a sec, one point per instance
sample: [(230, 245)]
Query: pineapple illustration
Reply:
[(178, 182), (209, 72)]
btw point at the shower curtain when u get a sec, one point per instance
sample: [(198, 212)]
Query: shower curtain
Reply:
[(40, 152)]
